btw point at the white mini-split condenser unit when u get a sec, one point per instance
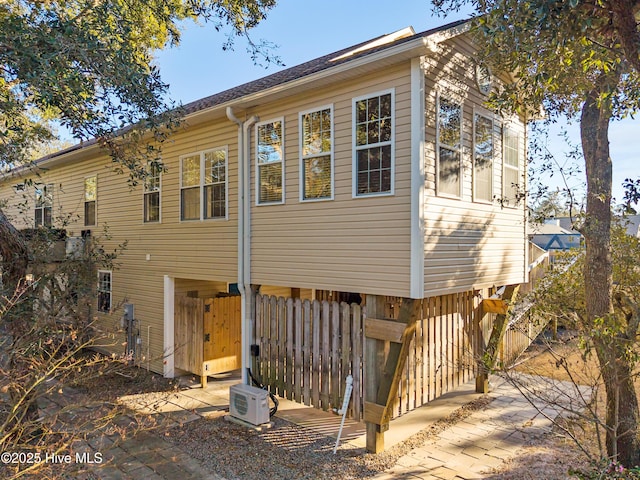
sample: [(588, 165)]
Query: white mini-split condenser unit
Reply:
[(250, 404)]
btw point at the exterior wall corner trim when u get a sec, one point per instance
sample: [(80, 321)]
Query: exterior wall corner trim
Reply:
[(416, 267)]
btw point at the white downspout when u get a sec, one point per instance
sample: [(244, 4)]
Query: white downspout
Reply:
[(244, 236)]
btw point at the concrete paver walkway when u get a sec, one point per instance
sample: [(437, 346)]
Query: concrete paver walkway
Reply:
[(472, 447), (469, 449)]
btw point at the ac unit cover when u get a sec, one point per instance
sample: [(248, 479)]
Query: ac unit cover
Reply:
[(249, 404)]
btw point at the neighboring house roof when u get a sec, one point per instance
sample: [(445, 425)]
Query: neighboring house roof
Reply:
[(548, 229), (630, 222), (552, 236), (401, 41)]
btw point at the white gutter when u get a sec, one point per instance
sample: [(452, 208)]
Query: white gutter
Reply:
[(244, 236)]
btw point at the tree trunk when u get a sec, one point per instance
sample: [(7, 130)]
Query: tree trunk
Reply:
[(15, 255), (622, 402), (16, 320)]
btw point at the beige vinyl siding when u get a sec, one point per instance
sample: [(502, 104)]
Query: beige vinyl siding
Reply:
[(345, 244), (202, 250), (468, 244)]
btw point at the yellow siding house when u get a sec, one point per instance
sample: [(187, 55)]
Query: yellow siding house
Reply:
[(373, 171)]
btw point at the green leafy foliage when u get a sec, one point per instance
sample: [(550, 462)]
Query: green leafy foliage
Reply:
[(90, 66), (562, 296)]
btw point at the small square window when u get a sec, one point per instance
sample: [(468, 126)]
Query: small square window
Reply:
[(203, 193)]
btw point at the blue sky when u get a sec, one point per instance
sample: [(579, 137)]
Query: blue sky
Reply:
[(306, 30)]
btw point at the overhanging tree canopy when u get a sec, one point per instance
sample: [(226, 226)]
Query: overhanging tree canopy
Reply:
[(89, 65)]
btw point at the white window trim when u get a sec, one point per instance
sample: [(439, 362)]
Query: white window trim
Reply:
[(201, 185), (84, 201), (460, 150), (282, 161), (392, 143), (303, 158), (110, 272), (521, 157), (489, 116), (144, 194)]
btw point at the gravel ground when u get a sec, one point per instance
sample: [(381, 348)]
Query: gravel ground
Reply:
[(292, 452)]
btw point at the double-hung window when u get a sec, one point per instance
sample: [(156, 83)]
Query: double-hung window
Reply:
[(511, 167), (270, 162), (90, 200), (449, 147), (104, 291), (316, 169), (482, 158), (203, 188), (373, 149), (215, 184), (152, 194), (44, 205)]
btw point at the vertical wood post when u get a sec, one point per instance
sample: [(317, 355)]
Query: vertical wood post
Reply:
[(382, 386), (373, 359), (490, 354)]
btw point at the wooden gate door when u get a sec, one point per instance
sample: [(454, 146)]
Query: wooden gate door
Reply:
[(222, 334), (188, 338)]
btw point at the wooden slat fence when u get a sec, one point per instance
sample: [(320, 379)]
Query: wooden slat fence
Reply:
[(442, 352), (307, 348), (519, 336)]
